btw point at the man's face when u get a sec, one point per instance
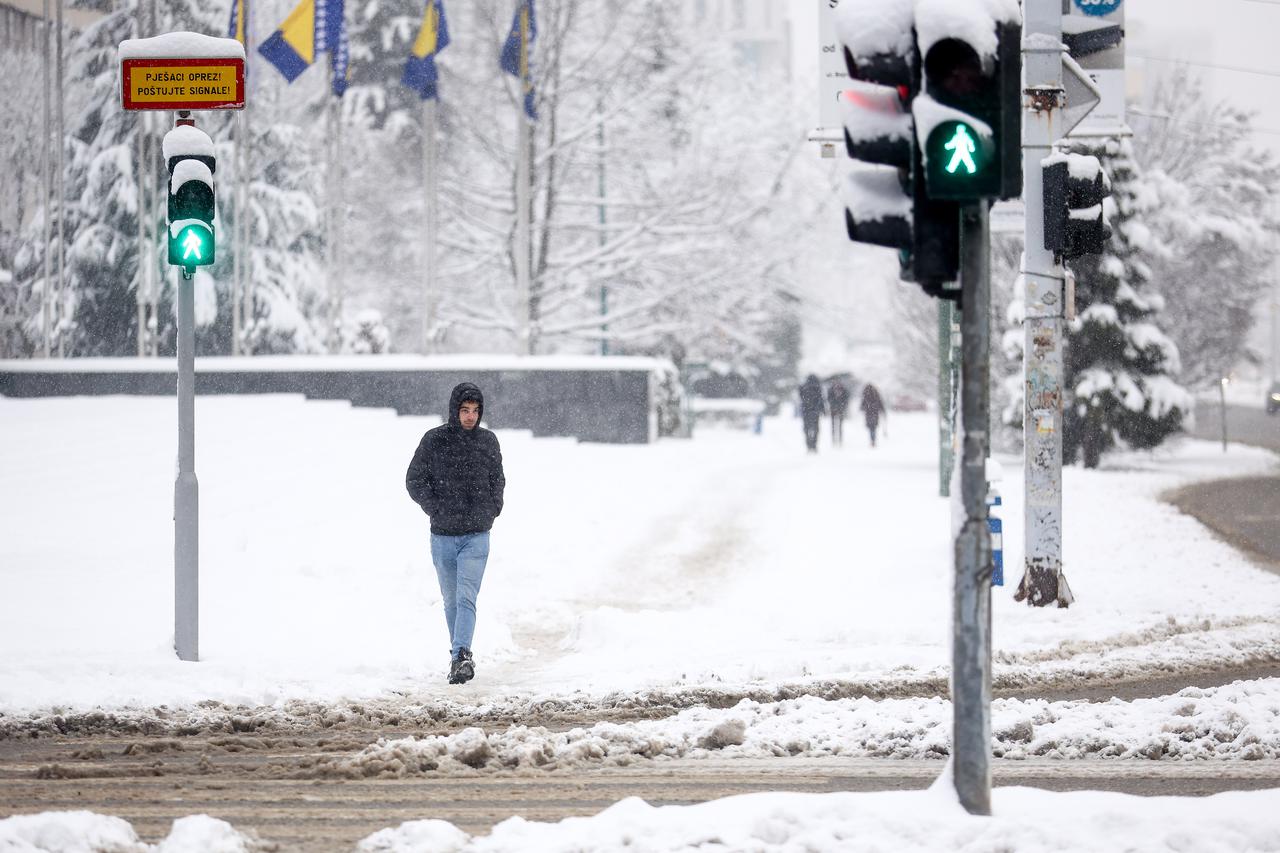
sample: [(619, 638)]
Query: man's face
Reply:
[(469, 414)]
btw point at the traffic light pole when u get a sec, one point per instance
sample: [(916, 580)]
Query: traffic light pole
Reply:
[(946, 394), (1044, 298), (186, 491), (971, 600)]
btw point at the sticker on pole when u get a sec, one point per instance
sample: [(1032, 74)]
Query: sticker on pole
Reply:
[(182, 71), (1098, 7)]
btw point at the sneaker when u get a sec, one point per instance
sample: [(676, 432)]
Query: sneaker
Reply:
[(463, 669), (453, 670)]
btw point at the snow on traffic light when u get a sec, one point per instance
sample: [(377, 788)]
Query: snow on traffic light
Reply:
[(884, 194), (968, 119), (190, 157), (1075, 187)]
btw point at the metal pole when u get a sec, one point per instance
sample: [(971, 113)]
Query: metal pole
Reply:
[(155, 280), (46, 177), (971, 602), (523, 244), (604, 285), (140, 293), (1222, 396), (60, 149), (244, 307), (429, 202), (186, 492), (237, 244), (339, 221), (945, 458), (1044, 327)]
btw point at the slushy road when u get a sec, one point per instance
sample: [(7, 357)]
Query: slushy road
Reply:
[(262, 784)]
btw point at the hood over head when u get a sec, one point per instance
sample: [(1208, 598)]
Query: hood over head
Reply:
[(464, 392)]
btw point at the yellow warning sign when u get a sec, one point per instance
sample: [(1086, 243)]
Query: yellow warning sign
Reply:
[(183, 84)]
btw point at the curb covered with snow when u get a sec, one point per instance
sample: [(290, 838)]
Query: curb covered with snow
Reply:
[(1237, 721)]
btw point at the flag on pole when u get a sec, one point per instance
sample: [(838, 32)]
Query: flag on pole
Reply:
[(314, 26), (235, 29), (420, 71), (340, 53), (516, 49)]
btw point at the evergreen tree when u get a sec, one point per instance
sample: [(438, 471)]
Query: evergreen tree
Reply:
[(104, 270), (1119, 366)]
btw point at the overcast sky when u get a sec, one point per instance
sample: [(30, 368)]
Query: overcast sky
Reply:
[(1232, 43)]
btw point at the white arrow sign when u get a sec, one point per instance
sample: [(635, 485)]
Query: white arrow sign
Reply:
[(1081, 92)]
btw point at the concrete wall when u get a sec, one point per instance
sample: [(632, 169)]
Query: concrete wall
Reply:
[(591, 405)]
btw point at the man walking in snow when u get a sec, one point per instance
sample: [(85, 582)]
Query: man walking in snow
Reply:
[(812, 408), (872, 408), (456, 477), (838, 403)]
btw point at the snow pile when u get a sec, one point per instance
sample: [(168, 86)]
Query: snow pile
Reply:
[(972, 21), (1239, 721), (420, 836), (1026, 820), (86, 832), (181, 45), (876, 27)]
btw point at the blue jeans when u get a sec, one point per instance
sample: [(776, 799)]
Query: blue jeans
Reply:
[(460, 562)]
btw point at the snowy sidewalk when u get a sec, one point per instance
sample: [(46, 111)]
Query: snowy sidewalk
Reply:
[(724, 561)]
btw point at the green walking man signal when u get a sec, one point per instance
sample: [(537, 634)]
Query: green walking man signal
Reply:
[(961, 147)]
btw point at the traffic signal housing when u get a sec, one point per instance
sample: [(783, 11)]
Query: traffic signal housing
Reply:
[(884, 194), (1075, 187), (191, 161), (969, 119)]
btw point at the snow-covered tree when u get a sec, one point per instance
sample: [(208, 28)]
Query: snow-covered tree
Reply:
[(687, 244), (1217, 213), (1119, 365), (103, 174), (19, 198)]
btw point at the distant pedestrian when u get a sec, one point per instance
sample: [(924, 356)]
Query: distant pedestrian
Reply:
[(872, 409), (838, 403), (456, 477), (812, 408)]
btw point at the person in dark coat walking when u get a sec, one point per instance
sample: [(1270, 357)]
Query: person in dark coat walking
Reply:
[(456, 477), (812, 408), (872, 408), (838, 403)]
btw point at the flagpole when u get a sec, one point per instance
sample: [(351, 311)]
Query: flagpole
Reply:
[(430, 191), (46, 178), (244, 306), (340, 218), (60, 182), (524, 342)]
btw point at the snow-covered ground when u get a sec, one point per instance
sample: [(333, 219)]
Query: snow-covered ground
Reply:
[(1025, 819), (728, 560)]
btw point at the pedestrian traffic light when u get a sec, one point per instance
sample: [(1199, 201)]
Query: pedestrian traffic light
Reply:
[(968, 120), (189, 154), (884, 195), (1075, 187)]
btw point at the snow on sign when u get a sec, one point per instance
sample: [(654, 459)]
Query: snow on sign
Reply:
[(182, 71)]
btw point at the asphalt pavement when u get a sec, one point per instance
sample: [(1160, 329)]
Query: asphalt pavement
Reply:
[(1243, 511), (1245, 424)]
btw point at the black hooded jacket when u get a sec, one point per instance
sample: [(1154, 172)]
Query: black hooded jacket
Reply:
[(456, 474)]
